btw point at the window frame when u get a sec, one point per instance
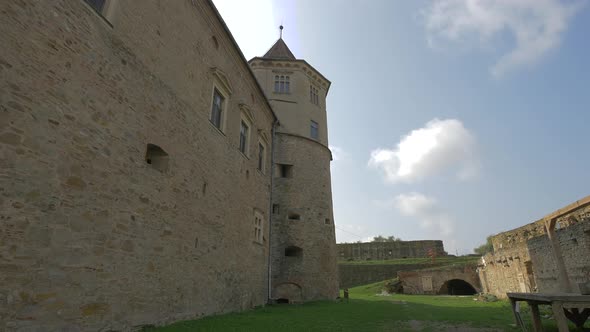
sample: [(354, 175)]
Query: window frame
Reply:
[(258, 226), (223, 108), (282, 83), (311, 130), (244, 134)]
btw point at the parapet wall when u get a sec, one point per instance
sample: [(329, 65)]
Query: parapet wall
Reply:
[(389, 250), (352, 275), (523, 259)]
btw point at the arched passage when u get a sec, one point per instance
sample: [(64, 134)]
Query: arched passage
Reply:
[(288, 292), (456, 287)]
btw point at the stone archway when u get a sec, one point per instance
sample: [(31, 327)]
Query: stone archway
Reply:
[(288, 292), (457, 287)]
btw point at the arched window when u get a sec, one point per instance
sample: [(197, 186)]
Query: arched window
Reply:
[(156, 157)]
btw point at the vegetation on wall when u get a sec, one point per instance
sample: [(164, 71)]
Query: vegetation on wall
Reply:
[(485, 248), (380, 238)]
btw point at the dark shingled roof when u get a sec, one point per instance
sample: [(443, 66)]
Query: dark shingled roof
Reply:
[(279, 50)]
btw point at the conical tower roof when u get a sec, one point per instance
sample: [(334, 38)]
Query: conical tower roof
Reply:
[(279, 50)]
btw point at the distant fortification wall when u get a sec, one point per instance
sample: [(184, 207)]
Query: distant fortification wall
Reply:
[(523, 259), (352, 275), (389, 250)]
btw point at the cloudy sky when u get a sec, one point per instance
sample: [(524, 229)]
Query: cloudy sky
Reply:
[(448, 119)]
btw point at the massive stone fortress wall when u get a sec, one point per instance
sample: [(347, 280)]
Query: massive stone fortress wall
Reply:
[(522, 260), (389, 250), (92, 236)]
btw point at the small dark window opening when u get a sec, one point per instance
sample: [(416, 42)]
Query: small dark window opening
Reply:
[(327, 221), (285, 171), (157, 157), (276, 209), (293, 251), (98, 5), (282, 301), (294, 216)]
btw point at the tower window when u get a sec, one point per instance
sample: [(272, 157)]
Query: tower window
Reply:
[(276, 209), (294, 216), (156, 157), (285, 171), (282, 84), (217, 109), (313, 95), (293, 251), (327, 221), (314, 130)]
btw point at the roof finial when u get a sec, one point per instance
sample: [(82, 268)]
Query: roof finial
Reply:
[(281, 27)]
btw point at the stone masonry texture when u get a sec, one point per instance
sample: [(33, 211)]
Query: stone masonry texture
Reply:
[(522, 260), (389, 250), (92, 236)]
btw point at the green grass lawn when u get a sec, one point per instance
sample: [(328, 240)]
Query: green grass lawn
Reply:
[(366, 311)]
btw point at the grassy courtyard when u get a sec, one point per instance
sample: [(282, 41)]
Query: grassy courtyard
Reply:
[(367, 311)]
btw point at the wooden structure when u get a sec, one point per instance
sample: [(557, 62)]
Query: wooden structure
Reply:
[(574, 307)]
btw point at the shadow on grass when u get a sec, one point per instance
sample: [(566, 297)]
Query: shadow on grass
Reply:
[(389, 314)]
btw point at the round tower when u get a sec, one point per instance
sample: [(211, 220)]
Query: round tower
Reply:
[(303, 245)]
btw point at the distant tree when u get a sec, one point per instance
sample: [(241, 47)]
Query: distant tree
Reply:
[(485, 248), (381, 238)]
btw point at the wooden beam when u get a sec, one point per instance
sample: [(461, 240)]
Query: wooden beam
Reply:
[(563, 278)]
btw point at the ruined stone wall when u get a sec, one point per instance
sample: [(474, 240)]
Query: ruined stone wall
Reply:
[(575, 245), (352, 275), (312, 273), (389, 250), (432, 280), (523, 261), (92, 237)]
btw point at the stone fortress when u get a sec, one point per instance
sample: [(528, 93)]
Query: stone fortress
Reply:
[(390, 250), (150, 173)]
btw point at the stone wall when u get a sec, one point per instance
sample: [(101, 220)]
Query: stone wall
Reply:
[(575, 245), (389, 250), (352, 275), (435, 280), (311, 273), (93, 237), (523, 260)]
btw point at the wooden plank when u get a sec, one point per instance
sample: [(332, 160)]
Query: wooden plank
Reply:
[(559, 317), (537, 326)]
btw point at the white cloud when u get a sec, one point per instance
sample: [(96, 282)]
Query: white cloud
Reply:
[(536, 25), (427, 211), (432, 149)]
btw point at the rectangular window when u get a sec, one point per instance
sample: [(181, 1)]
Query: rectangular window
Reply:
[(314, 95), (243, 137), (285, 171), (217, 109), (314, 130), (282, 84), (261, 157), (276, 209), (258, 217)]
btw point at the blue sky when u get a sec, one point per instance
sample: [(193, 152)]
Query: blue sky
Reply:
[(449, 119)]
